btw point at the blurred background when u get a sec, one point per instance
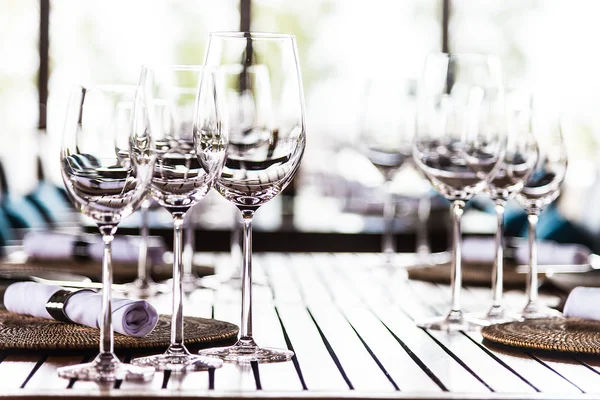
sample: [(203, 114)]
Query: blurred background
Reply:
[(47, 46)]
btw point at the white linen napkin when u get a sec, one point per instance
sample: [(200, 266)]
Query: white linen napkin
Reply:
[(583, 303), (55, 246), (129, 317), (483, 250)]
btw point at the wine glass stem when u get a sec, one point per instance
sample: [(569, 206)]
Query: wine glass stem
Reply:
[(456, 283), (246, 326), (188, 250), (389, 212), (177, 315), (532, 281), (143, 264), (106, 328), (423, 211), (236, 249), (498, 273)]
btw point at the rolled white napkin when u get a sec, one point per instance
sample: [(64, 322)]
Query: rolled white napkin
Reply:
[(54, 246), (129, 317), (483, 250), (583, 303)]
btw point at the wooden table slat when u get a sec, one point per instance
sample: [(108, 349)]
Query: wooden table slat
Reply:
[(537, 374)]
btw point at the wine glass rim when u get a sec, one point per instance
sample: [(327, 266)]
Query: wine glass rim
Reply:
[(252, 35)]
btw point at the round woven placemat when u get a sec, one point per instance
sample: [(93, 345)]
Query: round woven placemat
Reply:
[(473, 274), (32, 333), (572, 335)]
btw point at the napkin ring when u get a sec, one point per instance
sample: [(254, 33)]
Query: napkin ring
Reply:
[(56, 303)]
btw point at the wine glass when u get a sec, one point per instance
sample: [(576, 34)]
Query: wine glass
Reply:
[(386, 135), (106, 171), (459, 144), (516, 167), (176, 102), (267, 141), (143, 286), (541, 189)]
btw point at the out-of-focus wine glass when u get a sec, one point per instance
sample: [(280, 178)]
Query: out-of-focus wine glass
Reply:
[(181, 107), (385, 138), (516, 167), (143, 286), (106, 170), (267, 141), (460, 140), (541, 189)]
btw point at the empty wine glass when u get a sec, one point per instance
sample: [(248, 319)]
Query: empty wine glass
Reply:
[(107, 181), (267, 141), (386, 135), (541, 189), (143, 285), (459, 143), (515, 169), (180, 106)]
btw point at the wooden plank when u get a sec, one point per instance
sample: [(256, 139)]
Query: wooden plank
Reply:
[(359, 364), (361, 368), (46, 376), (584, 378), (449, 372), (267, 330), (232, 377), (536, 373), (155, 383), (494, 372), (281, 282), (15, 369), (399, 365), (316, 365), (318, 368)]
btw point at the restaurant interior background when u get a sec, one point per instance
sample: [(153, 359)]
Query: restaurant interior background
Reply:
[(545, 45)]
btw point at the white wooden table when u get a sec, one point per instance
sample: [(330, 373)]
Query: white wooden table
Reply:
[(351, 325)]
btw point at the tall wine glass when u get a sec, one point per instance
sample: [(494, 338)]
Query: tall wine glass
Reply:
[(542, 188), (386, 135), (267, 141), (459, 144), (143, 285), (183, 174), (107, 181), (516, 167)]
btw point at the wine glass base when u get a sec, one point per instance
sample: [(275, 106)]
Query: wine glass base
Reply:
[(178, 361), (145, 288), (246, 351), (495, 315), (453, 322), (106, 368), (535, 310)]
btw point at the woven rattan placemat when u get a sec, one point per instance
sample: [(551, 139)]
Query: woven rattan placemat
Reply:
[(572, 335), (473, 274), (25, 332)]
